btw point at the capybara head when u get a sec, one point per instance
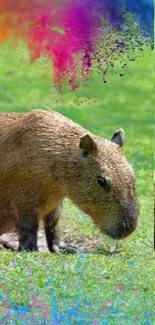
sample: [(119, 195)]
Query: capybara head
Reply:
[(105, 186)]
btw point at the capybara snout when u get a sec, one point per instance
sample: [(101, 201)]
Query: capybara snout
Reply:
[(124, 226)]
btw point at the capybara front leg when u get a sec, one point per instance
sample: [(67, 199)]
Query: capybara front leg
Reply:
[(27, 238), (52, 233), (27, 228)]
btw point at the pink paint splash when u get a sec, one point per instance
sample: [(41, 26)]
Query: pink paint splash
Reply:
[(64, 32), (47, 314)]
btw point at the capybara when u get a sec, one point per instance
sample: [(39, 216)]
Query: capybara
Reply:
[(45, 157)]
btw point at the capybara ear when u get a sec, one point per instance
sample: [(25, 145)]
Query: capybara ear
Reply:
[(118, 137), (88, 144)]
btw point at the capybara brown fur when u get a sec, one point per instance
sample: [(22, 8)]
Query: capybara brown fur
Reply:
[(45, 157)]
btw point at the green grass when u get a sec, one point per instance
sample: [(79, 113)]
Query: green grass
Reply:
[(111, 288)]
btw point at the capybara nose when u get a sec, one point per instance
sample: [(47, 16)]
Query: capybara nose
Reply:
[(125, 230), (121, 230)]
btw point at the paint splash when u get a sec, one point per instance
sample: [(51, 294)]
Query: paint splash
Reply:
[(77, 35)]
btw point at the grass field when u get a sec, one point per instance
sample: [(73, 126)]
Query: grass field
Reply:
[(94, 288)]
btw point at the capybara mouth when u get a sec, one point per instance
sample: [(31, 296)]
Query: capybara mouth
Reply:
[(121, 231), (117, 236)]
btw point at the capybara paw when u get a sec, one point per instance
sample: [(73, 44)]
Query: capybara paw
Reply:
[(28, 249), (65, 248)]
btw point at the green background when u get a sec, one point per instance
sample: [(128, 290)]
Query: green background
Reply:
[(109, 287)]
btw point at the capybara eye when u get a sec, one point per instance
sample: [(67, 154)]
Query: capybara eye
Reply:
[(102, 182)]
